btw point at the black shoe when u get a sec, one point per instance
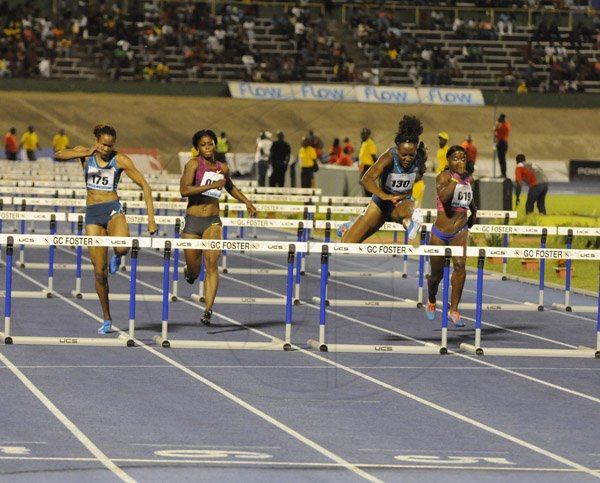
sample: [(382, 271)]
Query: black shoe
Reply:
[(188, 279), (206, 317)]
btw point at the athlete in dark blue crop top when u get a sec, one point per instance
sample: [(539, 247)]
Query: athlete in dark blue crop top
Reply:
[(104, 215), (391, 180)]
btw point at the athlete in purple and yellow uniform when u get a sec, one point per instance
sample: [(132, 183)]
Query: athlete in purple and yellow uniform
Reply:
[(202, 181), (104, 216), (391, 180), (451, 227)]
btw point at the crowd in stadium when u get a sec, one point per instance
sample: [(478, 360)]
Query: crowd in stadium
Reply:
[(148, 45)]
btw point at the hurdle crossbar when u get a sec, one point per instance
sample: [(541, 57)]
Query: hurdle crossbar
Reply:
[(569, 233), (247, 246), (326, 249), (478, 349), (57, 240)]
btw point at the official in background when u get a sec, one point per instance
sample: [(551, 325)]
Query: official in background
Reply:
[(471, 149), (261, 157), (442, 162), (534, 176), (279, 159), (308, 163), (30, 143), (222, 148), (501, 134), (367, 154), (60, 141), (11, 144)]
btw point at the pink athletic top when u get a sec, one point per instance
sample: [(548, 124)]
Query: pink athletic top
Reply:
[(461, 199), (203, 168)]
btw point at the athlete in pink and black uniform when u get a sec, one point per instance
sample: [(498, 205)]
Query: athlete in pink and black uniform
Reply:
[(451, 227), (202, 181), (103, 212)]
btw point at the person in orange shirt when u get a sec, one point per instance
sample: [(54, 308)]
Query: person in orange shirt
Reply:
[(335, 152), (347, 150), (471, 149), (501, 138), (11, 144), (537, 181)]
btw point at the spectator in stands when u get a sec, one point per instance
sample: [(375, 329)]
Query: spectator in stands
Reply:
[(11, 144), (506, 23), (451, 227), (522, 88), (60, 141), (308, 163), (537, 181), (414, 74), (441, 152), (367, 155), (44, 68), (202, 182), (261, 157), (222, 148), (162, 72), (5, 72), (30, 143), (501, 133), (104, 214), (391, 180), (279, 159), (471, 150)]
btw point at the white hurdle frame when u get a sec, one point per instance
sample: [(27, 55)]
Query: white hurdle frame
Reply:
[(478, 349), (543, 231), (52, 218), (291, 248), (570, 233), (362, 248), (123, 339)]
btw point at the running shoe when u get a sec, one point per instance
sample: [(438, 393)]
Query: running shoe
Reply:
[(106, 327), (206, 317), (115, 263), (430, 310), (455, 318), (188, 279), (416, 220), (343, 228)]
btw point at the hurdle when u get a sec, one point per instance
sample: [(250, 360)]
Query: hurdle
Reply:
[(123, 339), (52, 218), (478, 349), (247, 246), (543, 231), (360, 248), (570, 233)]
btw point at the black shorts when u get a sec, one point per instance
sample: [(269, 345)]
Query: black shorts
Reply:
[(197, 225)]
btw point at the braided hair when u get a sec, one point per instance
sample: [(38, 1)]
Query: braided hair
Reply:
[(409, 130), (101, 129)]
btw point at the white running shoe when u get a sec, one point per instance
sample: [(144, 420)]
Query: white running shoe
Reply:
[(416, 221)]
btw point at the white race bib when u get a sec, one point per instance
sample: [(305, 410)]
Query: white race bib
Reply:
[(463, 195), (100, 179), (212, 177), (400, 182)]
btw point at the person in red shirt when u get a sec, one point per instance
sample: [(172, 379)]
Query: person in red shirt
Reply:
[(11, 144), (501, 138), (335, 152), (537, 181), (471, 149)]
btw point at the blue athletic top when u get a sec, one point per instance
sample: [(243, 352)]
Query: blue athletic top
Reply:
[(102, 179), (396, 180)]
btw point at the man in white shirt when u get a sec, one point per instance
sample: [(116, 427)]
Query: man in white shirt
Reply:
[(261, 157)]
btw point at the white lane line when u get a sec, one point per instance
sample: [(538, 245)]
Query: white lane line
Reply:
[(385, 385), (257, 412), (75, 431), (294, 464)]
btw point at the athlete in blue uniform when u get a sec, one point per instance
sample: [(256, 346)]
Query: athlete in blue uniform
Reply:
[(391, 180), (104, 215)]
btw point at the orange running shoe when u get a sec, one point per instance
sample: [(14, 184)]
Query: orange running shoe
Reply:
[(430, 310), (454, 317)]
